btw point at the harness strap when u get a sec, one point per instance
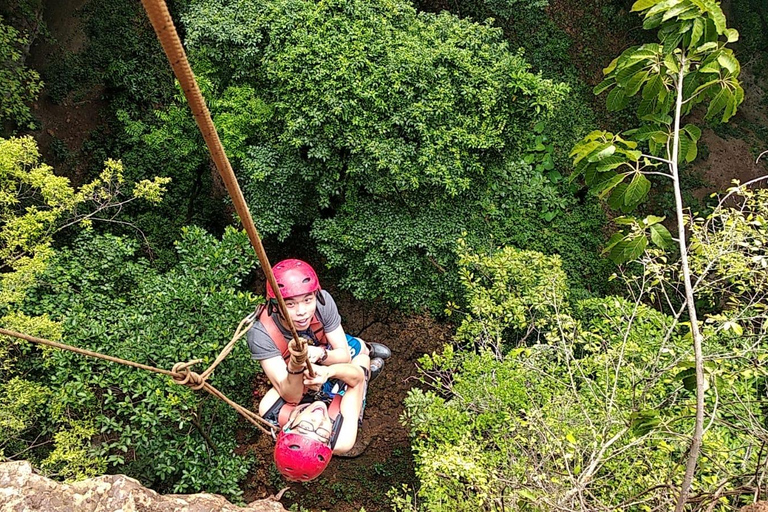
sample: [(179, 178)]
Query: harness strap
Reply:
[(277, 336), (287, 409)]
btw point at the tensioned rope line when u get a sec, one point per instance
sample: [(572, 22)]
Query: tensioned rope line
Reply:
[(181, 374), (166, 33)]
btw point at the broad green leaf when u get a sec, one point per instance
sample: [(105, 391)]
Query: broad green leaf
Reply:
[(606, 187), (628, 249), (582, 149), (732, 34), (691, 14), (704, 86), (730, 106), (637, 190), (711, 66), (652, 22), (616, 199), (660, 7), (670, 61), (625, 74), (738, 93), (610, 163), (707, 47), (634, 83), (693, 150), (646, 106), (684, 144), (642, 5), (716, 14), (677, 10), (696, 32), (693, 131), (717, 104), (672, 42), (615, 239), (650, 220), (603, 153), (616, 100), (625, 220), (602, 86), (611, 66), (661, 236), (729, 62), (652, 87)]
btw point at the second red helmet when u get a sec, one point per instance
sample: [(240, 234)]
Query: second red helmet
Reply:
[(300, 458), (294, 277)]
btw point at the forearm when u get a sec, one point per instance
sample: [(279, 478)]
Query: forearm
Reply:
[(351, 374), (290, 385)]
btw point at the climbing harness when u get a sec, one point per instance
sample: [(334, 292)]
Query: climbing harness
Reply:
[(315, 325), (181, 373)]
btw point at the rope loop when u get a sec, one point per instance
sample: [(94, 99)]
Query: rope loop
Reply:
[(298, 350), (182, 375)]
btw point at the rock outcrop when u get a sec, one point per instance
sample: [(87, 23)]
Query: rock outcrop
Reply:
[(21, 490), (759, 506)]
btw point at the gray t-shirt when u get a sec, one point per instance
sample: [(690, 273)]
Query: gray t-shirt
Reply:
[(261, 344)]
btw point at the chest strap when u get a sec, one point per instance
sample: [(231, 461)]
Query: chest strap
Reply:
[(277, 335)]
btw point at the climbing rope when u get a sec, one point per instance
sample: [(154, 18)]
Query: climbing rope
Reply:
[(166, 33), (181, 374)]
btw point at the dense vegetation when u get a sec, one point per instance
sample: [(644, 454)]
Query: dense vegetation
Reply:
[(438, 162)]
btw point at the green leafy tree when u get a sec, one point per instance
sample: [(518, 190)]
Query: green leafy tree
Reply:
[(19, 84), (383, 132), (593, 412), (108, 299), (690, 65)]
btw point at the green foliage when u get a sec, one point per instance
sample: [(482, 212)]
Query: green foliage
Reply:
[(386, 133), (689, 66), (110, 301), (508, 290), (35, 204), (19, 85), (590, 417), (71, 458)]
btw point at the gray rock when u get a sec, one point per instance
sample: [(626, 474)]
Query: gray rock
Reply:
[(21, 490)]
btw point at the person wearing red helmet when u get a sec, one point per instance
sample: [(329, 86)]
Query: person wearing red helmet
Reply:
[(315, 317), (315, 429)]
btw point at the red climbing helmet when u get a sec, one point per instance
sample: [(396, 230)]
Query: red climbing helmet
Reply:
[(300, 458), (294, 277)]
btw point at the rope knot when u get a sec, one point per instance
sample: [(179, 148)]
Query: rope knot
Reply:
[(184, 376), (298, 351)]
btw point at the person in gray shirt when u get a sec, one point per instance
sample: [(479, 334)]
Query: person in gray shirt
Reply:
[(315, 317)]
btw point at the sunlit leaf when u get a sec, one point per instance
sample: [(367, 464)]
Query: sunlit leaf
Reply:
[(661, 236)]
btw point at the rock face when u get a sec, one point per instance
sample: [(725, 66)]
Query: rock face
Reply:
[(759, 506), (22, 490)]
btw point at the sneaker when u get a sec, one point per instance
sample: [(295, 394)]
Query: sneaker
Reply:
[(377, 364), (378, 350)]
